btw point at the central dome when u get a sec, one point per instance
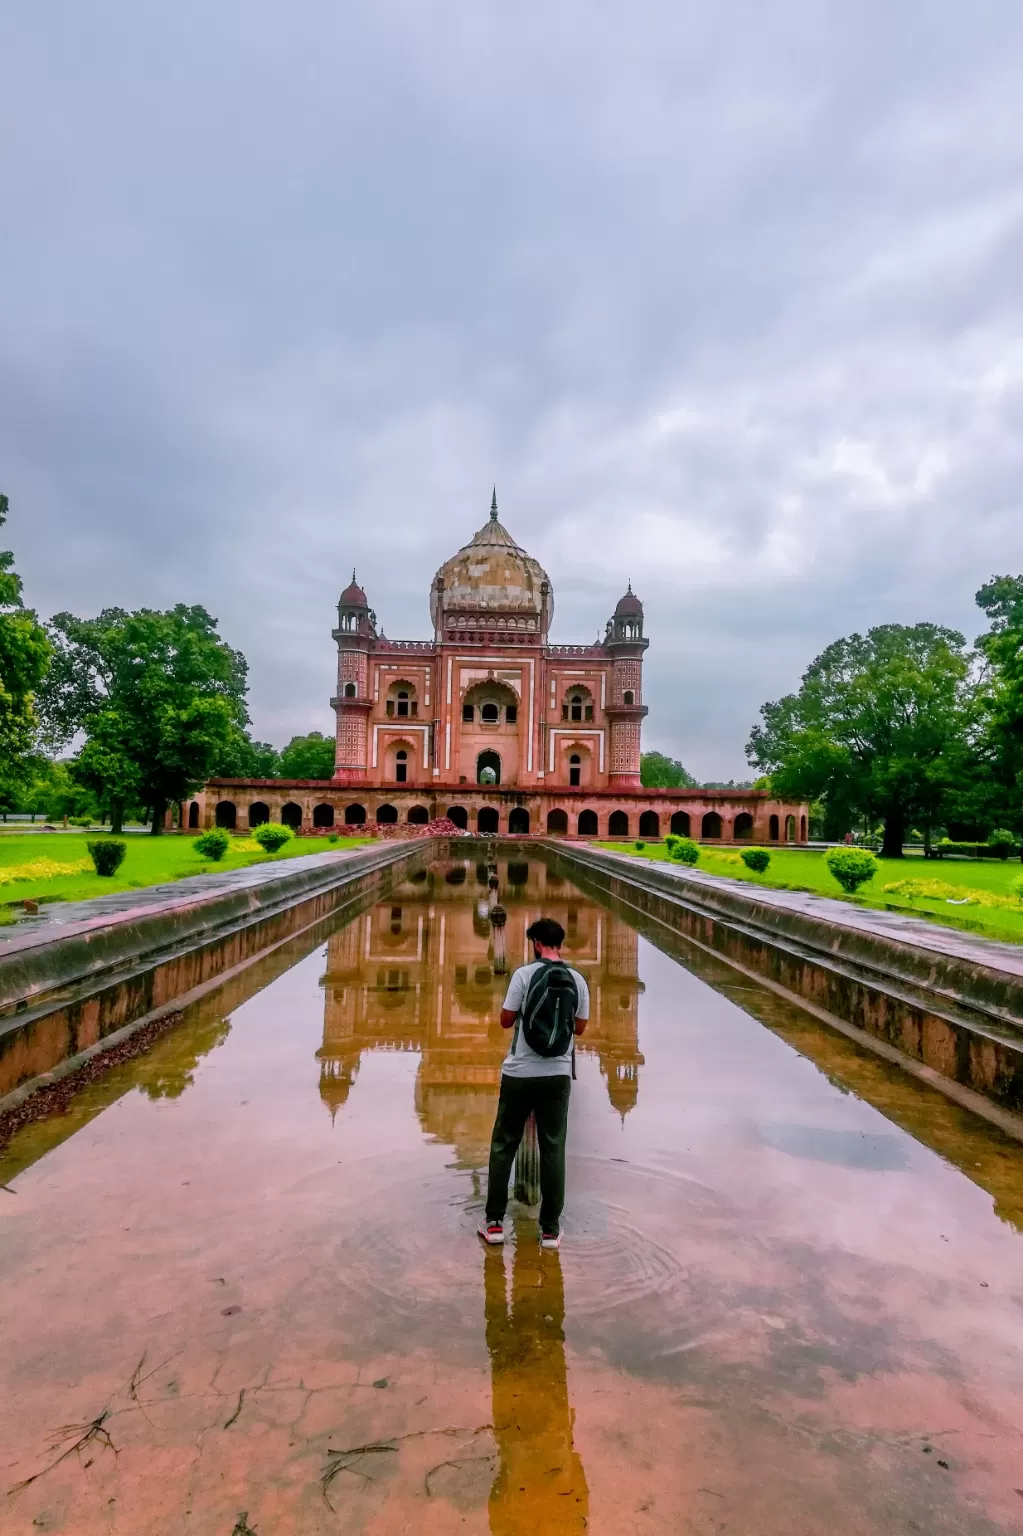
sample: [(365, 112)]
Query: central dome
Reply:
[(492, 574)]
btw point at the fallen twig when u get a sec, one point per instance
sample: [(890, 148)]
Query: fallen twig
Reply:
[(88, 1432), (237, 1411)]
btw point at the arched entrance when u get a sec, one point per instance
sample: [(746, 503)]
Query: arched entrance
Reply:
[(518, 821), (790, 829), (291, 815), (557, 822), (649, 824), (772, 829), (418, 816), (460, 816), (711, 825), (323, 815), (618, 824), (193, 814), (680, 823), (588, 824), (488, 763), (226, 815), (487, 819), (355, 815), (387, 815), (743, 825), (259, 813), (802, 829)]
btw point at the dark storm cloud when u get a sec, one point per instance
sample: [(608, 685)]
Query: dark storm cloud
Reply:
[(726, 299)]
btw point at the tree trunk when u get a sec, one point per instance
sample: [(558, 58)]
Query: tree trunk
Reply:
[(116, 817), (159, 809), (894, 835)]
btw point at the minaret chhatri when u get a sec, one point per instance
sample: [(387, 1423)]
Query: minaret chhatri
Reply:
[(355, 633), (625, 642)]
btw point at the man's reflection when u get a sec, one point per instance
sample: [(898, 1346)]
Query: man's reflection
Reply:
[(540, 1485)]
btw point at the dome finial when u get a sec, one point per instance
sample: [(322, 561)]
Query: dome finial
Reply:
[(493, 506)]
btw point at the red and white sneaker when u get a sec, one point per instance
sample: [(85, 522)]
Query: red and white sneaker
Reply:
[(550, 1239), (491, 1231)]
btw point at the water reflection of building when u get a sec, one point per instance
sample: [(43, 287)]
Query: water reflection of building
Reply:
[(416, 974)]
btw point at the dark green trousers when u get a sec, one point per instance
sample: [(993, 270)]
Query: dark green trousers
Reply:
[(547, 1099)]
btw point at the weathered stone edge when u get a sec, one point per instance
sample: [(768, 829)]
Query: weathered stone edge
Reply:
[(966, 987), (976, 1066), (61, 960)]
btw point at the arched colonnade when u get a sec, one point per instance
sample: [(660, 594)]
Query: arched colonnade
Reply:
[(517, 820)]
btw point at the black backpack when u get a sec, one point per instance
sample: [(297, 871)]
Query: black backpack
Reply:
[(549, 1009)]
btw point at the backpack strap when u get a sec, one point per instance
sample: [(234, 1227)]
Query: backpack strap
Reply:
[(522, 1007)]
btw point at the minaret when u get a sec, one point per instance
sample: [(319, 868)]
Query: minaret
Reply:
[(625, 708), (355, 635)]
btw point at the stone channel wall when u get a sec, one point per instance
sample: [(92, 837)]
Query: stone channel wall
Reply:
[(67, 985), (939, 997)]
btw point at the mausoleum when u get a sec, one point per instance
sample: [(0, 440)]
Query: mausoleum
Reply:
[(492, 724)]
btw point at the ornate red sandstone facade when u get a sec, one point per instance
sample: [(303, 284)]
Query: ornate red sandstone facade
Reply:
[(489, 699), (492, 724)]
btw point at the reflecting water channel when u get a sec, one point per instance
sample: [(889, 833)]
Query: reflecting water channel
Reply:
[(240, 1290)]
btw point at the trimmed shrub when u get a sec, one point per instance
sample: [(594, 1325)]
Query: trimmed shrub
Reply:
[(1001, 842), (639, 847), (107, 854), (684, 851), (271, 836), (851, 867), (756, 859), (212, 844), (79, 821)]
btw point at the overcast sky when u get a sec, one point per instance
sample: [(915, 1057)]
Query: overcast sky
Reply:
[(726, 298)]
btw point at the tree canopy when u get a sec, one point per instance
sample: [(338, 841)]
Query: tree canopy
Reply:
[(159, 696), (308, 757), (1001, 693), (24, 658), (883, 726), (658, 771)]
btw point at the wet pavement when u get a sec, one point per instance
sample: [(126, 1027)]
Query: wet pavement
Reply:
[(240, 1290)]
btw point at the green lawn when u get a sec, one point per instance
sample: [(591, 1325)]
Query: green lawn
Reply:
[(149, 861), (805, 871)]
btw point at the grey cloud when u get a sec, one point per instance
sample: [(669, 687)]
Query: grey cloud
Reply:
[(724, 298)]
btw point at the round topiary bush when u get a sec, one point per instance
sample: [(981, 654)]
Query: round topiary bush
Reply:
[(212, 844), (1001, 842), (684, 851), (851, 867), (639, 847), (756, 859), (272, 835), (107, 854)]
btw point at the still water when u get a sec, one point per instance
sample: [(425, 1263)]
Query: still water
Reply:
[(240, 1290)]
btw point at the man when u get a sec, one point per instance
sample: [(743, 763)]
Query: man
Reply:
[(549, 1003)]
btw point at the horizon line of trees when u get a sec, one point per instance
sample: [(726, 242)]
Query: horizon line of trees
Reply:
[(904, 726)]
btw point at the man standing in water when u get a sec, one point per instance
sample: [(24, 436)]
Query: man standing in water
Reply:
[(547, 1005)]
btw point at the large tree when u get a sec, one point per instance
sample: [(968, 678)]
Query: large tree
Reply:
[(882, 727), (308, 757), (1002, 693), (658, 771), (159, 697), (24, 658), (243, 758)]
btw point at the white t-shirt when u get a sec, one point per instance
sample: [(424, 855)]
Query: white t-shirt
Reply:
[(521, 1060)]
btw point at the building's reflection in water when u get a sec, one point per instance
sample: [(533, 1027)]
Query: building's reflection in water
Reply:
[(416, 974), (540, 1485)]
